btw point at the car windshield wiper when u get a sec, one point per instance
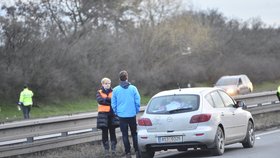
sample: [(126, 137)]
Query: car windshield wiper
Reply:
[(179, 110)]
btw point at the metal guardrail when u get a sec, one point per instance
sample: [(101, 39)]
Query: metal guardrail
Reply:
[(260, 102), (33, 135), (258, 99), (29, 136)]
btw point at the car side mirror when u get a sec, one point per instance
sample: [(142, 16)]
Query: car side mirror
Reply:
[(240, 103)]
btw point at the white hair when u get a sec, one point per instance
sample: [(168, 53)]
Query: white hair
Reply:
[(105, 79)]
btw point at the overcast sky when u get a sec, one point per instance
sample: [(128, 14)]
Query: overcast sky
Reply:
[(267, 10)]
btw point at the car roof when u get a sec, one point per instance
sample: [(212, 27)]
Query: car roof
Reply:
[(196, 91), (233, 76)]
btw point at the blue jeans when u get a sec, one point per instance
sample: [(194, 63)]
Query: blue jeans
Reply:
[(26, 111), (124, 124)]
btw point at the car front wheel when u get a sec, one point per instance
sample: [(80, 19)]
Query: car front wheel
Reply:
[(219, 143), (249, 140)]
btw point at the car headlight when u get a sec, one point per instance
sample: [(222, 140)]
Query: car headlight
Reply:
[(231, 91)]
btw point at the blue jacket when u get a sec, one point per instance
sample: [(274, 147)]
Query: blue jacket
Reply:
[(125, 100)]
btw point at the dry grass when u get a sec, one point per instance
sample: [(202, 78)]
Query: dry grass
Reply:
[(86, 150)]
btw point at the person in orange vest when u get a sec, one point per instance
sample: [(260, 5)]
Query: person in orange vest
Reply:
[(105, 118)]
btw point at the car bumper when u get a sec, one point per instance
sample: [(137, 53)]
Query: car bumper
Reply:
[(201, 137)]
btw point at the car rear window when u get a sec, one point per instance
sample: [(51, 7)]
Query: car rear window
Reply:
[(173, 104)]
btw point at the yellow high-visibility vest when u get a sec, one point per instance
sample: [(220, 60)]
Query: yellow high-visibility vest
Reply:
[(26, 97)]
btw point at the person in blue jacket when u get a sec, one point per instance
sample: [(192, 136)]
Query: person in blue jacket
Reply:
[(126, 104)]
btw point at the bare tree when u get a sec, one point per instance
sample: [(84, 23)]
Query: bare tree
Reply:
[(63, 48)]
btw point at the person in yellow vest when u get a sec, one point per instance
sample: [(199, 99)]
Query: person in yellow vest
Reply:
[(278, 93), (105, 118), (25, 101)]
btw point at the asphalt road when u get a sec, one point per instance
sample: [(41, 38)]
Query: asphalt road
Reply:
[(266, 145)]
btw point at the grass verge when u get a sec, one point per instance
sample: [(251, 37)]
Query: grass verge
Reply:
[(9, 111)]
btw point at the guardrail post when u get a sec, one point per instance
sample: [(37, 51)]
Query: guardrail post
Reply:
[(64, 134), (30, 139), (274, 102)]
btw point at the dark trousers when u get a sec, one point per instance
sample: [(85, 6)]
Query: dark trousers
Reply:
[(26, 110), (113, 138), (124, 124), (278, 96)]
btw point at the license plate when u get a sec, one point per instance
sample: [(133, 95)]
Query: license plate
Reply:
[(170, 139)]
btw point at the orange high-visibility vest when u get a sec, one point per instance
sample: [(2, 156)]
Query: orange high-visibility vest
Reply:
[(104, 108)]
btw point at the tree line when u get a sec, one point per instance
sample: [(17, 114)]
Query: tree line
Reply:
[(62, 48)]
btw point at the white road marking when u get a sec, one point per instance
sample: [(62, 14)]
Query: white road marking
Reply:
[(267, 133)]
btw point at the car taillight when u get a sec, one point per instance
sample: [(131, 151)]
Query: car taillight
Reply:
[(144, 122), (200, 118)]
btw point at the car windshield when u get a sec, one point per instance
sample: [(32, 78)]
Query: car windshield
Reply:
[(227, 81), (173, 104)]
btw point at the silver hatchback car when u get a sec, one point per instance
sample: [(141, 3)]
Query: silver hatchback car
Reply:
[(198, 118), (235, 84)]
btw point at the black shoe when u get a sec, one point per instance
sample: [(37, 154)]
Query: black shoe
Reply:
[(137, 153), (107, 155), (128, 155), (114, 153)]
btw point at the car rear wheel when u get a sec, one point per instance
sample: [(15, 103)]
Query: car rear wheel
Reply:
[(147, 154), (219, 143), (249, 140)]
